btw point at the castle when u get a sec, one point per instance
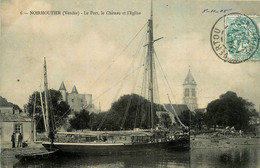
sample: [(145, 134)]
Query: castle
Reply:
[(189, 92), (76, 101)]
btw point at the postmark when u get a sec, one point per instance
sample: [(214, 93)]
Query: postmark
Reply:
[(234, 38)]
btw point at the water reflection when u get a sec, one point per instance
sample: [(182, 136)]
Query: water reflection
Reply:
[(246, 156), (157, 159)]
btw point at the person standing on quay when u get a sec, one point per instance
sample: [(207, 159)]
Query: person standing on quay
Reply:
[(20, 140), (13, 140)]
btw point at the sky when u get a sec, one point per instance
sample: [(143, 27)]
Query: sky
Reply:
[(90, 51)]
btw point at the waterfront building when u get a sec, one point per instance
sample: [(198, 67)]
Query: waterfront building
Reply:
[(15, 123), (189, 92)]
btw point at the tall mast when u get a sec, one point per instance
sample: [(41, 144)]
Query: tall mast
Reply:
[(44, 116), (46, 96), (150, 56)]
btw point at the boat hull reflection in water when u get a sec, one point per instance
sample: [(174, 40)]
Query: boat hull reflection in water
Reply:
[(118, 148), (160, 158)]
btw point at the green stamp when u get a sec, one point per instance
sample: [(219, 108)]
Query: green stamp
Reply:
[(242, 38), (235, 38)]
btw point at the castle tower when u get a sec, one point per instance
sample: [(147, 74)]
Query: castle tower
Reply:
[(74, 90), (63, 91), (189, 92)]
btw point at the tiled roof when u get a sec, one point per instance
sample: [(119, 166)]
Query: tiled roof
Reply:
[(179, 108), (5, 117)]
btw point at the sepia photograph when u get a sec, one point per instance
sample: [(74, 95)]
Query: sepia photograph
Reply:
[(130, 83)]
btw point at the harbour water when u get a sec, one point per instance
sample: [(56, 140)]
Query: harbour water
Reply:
[(244, 156)]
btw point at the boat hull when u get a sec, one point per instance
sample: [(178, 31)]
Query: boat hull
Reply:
[(118, 148), (35, 156)]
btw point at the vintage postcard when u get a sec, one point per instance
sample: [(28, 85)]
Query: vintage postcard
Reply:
[(143, 83)]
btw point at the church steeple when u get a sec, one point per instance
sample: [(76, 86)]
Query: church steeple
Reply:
[(74, 90), (189, 92), (189, 80)]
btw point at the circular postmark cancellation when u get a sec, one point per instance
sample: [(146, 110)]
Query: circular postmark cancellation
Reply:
[(234, 38)]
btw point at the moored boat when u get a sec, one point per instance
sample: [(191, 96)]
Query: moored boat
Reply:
[(117, 142), (112, 142), (36, 155)]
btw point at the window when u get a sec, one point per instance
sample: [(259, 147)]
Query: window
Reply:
[(72, 100), (186, 92), (193, 92), (18, 128)]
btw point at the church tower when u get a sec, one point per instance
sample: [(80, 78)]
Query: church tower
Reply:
[(63, 92), (189, 92)]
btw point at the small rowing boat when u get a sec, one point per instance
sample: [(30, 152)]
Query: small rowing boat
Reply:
[(36, 155)]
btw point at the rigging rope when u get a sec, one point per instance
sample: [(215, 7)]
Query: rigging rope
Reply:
[(167, 82), (144, 84), (156, 89), (118, 82), (139, 101), (132, 63), (57, 121), (52, 112), (134, 84), (129, 102), (114, 60), (144, 87), (175, 113), (100, 125), (124, 79), (43, 112)]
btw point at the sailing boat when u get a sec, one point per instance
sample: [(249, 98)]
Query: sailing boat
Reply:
[(109, 142)]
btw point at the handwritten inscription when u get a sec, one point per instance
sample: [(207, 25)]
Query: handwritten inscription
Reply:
[(216, 11)]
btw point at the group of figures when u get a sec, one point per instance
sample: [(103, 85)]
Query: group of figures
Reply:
[(19, 140)]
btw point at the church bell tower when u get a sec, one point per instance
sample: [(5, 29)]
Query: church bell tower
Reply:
[(189, 92)]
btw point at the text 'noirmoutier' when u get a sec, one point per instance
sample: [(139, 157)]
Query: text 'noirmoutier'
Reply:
[(78, 13)]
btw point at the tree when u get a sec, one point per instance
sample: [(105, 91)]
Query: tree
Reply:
[(95, 120), (199, 119), (59, 108), (128, 112), (166, 120), (80, 120), (229, 110), (187, 118)]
